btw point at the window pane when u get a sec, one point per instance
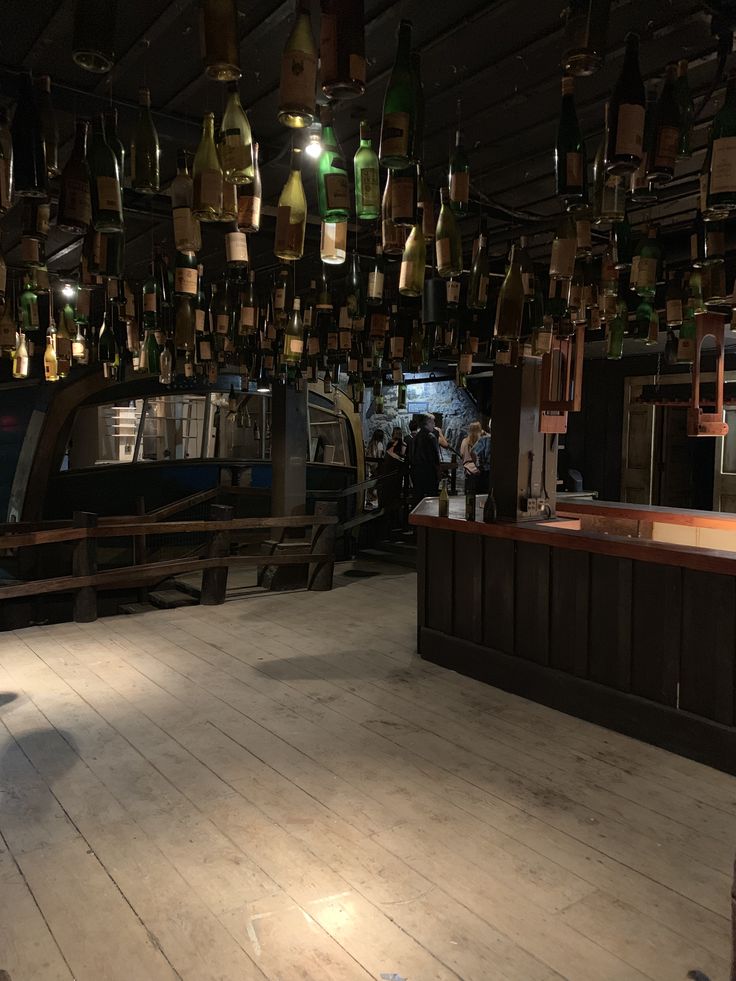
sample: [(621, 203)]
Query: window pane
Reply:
[(172, 428)]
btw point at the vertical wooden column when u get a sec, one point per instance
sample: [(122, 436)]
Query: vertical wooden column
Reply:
[(323, 540), (84, 563), (214, 581), (289, 450)]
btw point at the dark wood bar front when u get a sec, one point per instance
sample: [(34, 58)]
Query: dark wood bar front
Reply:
[(602, 613)]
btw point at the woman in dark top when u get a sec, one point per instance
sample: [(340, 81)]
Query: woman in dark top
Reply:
[(425, 461), (391, 477)]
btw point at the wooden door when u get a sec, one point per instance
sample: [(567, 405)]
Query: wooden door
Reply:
[(724, 484), (637, 445)]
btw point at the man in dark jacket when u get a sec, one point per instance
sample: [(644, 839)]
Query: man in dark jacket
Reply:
[(425, 460)]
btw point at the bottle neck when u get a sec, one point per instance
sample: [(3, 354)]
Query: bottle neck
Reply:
[(80, 140), (403, 50)]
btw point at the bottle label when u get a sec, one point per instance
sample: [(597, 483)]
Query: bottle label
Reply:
[(723, 166), (313, 347), (332, 340), (694, 246), (208, 190), (584, 240), (674, 311), (108, 194), (453, 292), (460, 187), (369, 187), (298, 80), (375, 285), (403, 204), (562, 263), (630, 130), (77, 202), (199, 321), (367, 365), (668, 140), (149, 303), (344, 340), (205, 351), (222, 323), (188, 369), (395, 135), (715, 244), (483, 289), (112, 288), (443, 251), (234, 154), (686, 349), (289, 242), (279, 298), (573, 170), (379, 325), (337, 191), (409, 275), (646, 272), (249, 212), (43, 213), (30, 249), (185, 281), (307, 318), (236, 247), (396, 346), (183, 229), (634, 275), (247, 317), (465, 364), (294, 345)]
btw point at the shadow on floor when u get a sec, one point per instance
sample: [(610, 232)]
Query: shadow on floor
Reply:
[(52, 751), (5, 698)]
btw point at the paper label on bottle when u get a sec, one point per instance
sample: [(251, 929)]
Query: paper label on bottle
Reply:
[(294, 345), (234, 155), (183, 229), (188, 369), (483, 289), (108, 194), (77, 201), (222, 323), (247, 317), (646, 272), (344, 340), (674, 311), (634, 275), (298, 80), (332, 340), (573, 170), (249, 212), (205, 351), (395, 135), (337, 192), (584, 240), (686, 349), (715, 243), (289, 241), (208, 190), (32, 310), (279, 298), (562, 262), (460, 187), (4, 185), (453, 292), (367, 365), (199, 321), (668, 141), (149, 303), (30, 249), (112, 288), (409, 275), (379, 325), (375, 285), (403, 204), (369, 187), (630, 130), (236, 247), (396, 346), (527, 281), (443, 251), (723, 166), (357, 68), (185, 281), (465, 364), (313, 346)]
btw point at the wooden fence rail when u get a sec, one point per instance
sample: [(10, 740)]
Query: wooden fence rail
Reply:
[(85, 580)]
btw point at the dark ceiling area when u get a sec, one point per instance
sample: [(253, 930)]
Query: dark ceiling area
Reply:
[(501, 59)]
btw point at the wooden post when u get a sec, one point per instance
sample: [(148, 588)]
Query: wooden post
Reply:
[(323, 540), (140, 549), (84, 563), (214, 581)]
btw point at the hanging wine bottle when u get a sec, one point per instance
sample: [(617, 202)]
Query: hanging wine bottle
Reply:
[(448, 241), (94, 35), (722, 178), (586, 25), (186, 238), (459, 173), (49, 125), (626, 114), (29, 157), (112, 139), (686, 106), (6, 164), (665, 132), (571, 166), (367, 186), (235, 141), (207, 173), (291, 215), (399, 106), (479, 276), (107, 205), (404, 196), (333, 190), (297, 100), (75, 202), (249, 199), (145, 152), (342, 48), (219, 38), (413, 261), (393, 236), (376, 279), (333, 242)]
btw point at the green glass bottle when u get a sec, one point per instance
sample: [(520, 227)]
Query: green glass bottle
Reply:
[(448, 241), (145, 152), (570, 162), (207, 175), (459, 173), (414, 261), (626, 114), (333, 190), (417, 151), (722, 178), (367, 186), (297, 99), (29, 321), (291, 215), (107, 206), (686, 106), (646, 264), (510, 306), (108, 353), (399, 106), (236, 141), (616, 329), (479, 276)]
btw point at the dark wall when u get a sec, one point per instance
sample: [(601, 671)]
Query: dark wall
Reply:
[(16, 407)]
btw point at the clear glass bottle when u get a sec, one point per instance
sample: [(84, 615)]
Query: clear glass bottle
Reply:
[(297, 95), (207, 173), (479, 277), (448, 241), (145, 152), (113, 140), (186, 226), (510, 306), (342, 48), (75, 201), (459, 173), (367, 185), (235, 140), (249, 199), (49, 125), (413, 261), (393, 236), (571, 166), (29, 158), (291, 216)]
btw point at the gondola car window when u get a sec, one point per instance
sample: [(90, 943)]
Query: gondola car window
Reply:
[(172, 428), (327, 437)]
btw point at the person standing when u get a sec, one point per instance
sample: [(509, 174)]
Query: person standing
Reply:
[(470, 467), (425, 460), (482, 455)]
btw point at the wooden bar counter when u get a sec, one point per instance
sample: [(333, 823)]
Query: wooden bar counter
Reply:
[(620, 614)]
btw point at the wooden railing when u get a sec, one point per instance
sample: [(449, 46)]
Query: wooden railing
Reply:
[(86, 530)]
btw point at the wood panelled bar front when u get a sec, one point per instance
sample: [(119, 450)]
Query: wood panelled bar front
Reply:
[(632, 630)]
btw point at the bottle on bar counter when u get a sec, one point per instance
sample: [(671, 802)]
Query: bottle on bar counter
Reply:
[(443, 501)]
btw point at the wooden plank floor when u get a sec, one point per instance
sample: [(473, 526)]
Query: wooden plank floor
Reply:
[(280, 789)]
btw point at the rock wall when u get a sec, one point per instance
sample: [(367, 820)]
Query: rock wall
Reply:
[(444, 398)]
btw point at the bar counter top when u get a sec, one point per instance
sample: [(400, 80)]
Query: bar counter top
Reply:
[(703, 541)]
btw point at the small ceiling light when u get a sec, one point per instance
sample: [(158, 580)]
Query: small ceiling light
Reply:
[(68, 291), (313, 147)]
